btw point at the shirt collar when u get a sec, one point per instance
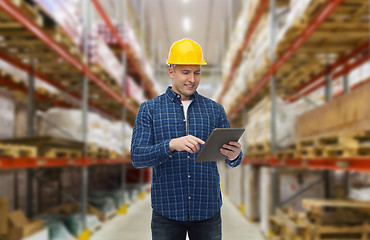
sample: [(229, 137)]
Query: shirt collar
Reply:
[(176, 97)]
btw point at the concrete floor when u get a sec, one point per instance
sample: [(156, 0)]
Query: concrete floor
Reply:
[(135, 225)]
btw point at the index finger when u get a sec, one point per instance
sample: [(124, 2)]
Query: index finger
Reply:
[(198, 140)]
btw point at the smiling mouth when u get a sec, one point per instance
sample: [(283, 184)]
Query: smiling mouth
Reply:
[(189, 86)]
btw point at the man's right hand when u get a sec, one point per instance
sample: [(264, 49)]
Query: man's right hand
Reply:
[(187, 143)]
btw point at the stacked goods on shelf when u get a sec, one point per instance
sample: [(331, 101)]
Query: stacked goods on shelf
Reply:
[(323, 219), (57, 230), (343, 130), (333, 39), (101, 132), (134, 91), (360, 186), (70, 215), (313, 56), (238, 87), (20, 77), (256, 61), (104, 204), (117, 196), (7, 116), (130, 41), (258, 134), (101, 57), (66, 14), (246, 15)]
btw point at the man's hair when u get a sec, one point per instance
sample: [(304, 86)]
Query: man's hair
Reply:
[(173, 66)]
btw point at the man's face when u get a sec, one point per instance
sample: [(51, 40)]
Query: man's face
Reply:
[(185, 80)]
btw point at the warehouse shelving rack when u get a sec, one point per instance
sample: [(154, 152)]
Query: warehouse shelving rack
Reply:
[(343, 63), (84, 162), (248, 100)]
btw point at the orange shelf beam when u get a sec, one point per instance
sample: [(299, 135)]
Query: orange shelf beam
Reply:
[(18, 163), (361, 164)]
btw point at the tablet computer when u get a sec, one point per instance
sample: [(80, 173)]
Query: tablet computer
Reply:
[(220, 136)]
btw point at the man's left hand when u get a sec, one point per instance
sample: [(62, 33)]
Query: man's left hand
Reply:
[(231, 150)]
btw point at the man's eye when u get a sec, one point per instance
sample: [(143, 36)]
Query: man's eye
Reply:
[(197, 73)]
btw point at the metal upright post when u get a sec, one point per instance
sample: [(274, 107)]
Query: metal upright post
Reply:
[(244, 148), (328, 175), (346, 87), (142, 20), (30, 133), (124, 110), (85, 92), (329, 82), (274, 177)]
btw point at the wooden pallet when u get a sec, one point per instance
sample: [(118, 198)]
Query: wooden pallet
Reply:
[(349, 145), (345, 220), (318, 206), (258, 155), (30, 11), (95, 151), (61, 153), (13, 150), (286, 154)]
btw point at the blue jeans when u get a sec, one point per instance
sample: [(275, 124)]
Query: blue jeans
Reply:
[(167, 229)]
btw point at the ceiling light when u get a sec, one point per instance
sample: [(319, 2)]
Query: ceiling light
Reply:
[(186, 24)]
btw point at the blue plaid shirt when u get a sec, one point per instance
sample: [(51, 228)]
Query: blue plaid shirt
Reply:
[(182, 189)]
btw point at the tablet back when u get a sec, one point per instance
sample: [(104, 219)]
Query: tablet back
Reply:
[(211, 149)]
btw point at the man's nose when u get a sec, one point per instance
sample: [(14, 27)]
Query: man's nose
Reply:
[(192, 77)]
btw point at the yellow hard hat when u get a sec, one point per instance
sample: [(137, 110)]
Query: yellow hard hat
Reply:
[(185, 52)]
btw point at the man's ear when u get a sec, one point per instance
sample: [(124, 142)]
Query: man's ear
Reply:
[(170, 72)]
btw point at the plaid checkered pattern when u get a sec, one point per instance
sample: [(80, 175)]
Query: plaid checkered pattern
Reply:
[(182, 189)]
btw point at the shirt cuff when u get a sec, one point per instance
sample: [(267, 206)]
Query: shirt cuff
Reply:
[(235, 162), (167, 150)]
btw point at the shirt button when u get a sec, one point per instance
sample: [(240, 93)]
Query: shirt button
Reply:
[(184, 120), (188, 156), (178, 96), (189, 197), (188, 176), (181, 105)]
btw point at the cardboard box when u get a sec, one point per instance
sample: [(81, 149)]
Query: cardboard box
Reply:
[(4, 206), (20, 227)]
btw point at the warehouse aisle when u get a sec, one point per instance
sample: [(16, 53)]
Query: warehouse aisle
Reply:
[(135, 225)]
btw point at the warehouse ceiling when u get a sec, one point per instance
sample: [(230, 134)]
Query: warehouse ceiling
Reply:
[(204, 21)]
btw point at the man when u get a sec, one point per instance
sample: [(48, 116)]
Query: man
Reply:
[(168, 134)]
